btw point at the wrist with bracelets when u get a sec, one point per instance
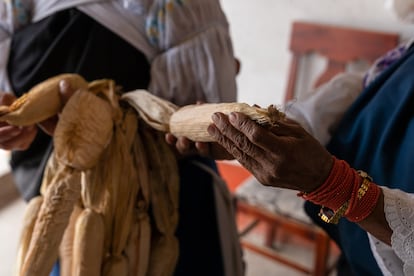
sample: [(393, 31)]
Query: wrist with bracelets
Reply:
[(345, 193)]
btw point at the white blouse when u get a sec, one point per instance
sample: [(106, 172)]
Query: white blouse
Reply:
[(187, 42), (335, 97)]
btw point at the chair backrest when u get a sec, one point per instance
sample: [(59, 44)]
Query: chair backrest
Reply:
[(339, 45)]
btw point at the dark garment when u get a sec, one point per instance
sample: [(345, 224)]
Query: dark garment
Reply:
[(66, 42), (376, 135), (72, 42), (200, 251)]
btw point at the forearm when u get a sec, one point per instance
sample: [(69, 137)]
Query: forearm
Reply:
[(376, 223)]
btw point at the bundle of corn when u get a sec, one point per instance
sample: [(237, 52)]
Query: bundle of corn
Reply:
[(109, 197), (106, 200)]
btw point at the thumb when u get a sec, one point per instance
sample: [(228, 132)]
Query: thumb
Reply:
[(6, 98), (66, 91)]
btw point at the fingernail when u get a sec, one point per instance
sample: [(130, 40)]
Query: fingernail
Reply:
[(63, 85), (211, 130), (232, 117), (215, 117)]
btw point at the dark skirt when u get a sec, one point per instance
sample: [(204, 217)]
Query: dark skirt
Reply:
[(71, 42)]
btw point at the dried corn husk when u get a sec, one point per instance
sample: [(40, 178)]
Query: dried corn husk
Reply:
[(139, 262), (132, 249), (84, 130), (115, 266), (88, 245), (52, 167), (41, 102), (192, 121), (155, 111), (164, 202), (80, 139), (30, 216), (124, 192), (51, 223), (164, 255), (122, 174), (66, 246), (144, 239)]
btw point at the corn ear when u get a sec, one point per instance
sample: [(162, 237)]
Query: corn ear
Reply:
[(192, 121), (40, 102)]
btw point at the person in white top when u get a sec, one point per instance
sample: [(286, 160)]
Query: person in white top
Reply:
[(362, 122), (178, 50)]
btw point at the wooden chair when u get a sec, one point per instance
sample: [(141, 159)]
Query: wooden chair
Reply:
[(340, 46)]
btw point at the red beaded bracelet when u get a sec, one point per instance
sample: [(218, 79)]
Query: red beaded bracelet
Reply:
[(345, 192)]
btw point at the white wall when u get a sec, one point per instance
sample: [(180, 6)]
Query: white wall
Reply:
[(260, 31)]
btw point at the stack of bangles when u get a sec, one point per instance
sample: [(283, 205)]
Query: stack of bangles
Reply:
[(346, 193)]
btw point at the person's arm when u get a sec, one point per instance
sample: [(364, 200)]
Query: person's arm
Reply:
[(287, 156), (398, 209), (376, 224), (319, 114), (195, 60)]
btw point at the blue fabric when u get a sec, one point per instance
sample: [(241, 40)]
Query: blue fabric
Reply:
[(55, 270), (376, 135)]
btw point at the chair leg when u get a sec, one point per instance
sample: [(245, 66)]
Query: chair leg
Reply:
[(269, 235), (321, 254)]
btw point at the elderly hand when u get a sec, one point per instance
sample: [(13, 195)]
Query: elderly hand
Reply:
[(284, 156)]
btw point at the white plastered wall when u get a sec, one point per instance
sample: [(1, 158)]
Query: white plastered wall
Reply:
[(260, 30)]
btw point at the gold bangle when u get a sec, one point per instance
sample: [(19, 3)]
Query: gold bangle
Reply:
[(333, 217), (365, 184), (329, 216)]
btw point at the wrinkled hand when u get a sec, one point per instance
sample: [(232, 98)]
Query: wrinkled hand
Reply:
[(283, 156)]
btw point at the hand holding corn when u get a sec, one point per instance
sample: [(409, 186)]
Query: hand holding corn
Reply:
[(186, 127), (16, 137), (277, 156)]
